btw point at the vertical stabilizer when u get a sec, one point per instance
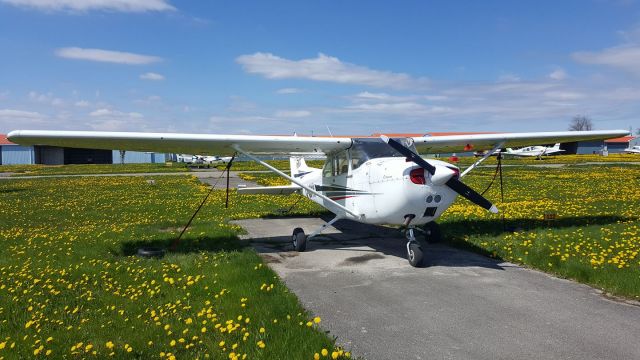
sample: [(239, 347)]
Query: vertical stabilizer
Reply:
[(297, 165)]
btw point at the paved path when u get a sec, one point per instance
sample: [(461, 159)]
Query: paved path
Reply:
[(462, 306)]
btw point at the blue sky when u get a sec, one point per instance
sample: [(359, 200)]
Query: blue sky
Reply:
[(356, 67)]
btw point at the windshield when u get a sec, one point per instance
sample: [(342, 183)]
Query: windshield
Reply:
[(366, 149)]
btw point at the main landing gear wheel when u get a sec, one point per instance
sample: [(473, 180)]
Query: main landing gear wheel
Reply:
[(414, 251), (432, 233), (299, 240)]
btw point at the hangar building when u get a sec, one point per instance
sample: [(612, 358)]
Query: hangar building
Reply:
[(14, 154)]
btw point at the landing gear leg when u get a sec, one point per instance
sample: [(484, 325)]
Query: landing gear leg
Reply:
[(414, 251)]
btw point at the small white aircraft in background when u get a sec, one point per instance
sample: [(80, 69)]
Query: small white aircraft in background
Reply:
[(203, 159), (374, 180), (632, 150), (533, 151)]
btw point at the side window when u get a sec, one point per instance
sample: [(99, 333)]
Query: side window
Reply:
[(342, 163), (336, 164), (329, 166)]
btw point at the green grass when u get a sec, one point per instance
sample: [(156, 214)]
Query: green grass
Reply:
[(68, 273), (36, 170), (595, 238)]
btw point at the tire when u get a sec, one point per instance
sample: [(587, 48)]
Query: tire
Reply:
[(299, 240), (415, 254), (432, 233), (150, 252)]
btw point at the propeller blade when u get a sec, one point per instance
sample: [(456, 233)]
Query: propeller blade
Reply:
[(409, 154), (454, 183), (471, 195)]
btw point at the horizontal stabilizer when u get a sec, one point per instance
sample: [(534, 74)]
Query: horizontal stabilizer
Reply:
[(271, 190)]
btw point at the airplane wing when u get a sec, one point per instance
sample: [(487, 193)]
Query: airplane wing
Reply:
[(461, 143), (201, 144), (217, 144)]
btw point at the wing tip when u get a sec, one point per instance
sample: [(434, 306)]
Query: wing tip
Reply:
[(494, 209)]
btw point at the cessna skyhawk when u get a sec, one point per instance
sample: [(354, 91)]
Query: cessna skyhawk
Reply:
[(374, 180)]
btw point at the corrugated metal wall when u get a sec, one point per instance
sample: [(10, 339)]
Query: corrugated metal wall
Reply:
[(137, 157), (589, 147), (17, 155)]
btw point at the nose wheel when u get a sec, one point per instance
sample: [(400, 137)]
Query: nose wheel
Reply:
[(414, 250)]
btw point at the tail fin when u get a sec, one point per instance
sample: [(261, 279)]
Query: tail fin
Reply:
[(298, 166), (556, 147)]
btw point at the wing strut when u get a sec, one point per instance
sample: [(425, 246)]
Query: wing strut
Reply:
[(489, 153), (299, 183)]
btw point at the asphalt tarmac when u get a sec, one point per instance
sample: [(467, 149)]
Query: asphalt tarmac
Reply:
[(461, 306)]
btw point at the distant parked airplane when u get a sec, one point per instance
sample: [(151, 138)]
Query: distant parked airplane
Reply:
[(632, 150), (534, 151)]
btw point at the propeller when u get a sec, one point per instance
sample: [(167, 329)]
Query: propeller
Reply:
[(454, 183)]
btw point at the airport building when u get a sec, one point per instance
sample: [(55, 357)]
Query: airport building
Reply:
[(613, 146), (14, 154)]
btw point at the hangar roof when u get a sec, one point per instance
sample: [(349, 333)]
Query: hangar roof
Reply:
[(4, 141), (624, 139)]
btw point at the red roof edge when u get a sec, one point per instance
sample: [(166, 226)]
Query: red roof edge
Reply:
[(5, 141)]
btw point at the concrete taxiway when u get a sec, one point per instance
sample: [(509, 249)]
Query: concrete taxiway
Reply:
[(461, 306)]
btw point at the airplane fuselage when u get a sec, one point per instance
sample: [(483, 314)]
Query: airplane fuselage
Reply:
[(384, 191)]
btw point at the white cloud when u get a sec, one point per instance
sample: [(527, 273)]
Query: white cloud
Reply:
[(101, 112), (47, 98), (113, 120), (109, 56), (293, 113), (404, 108), (115, 114), (508, 78), (10, 114), (82, 103), (369, 96), (152, 76), (623, 57), (88, 5), (289, 91), (558, 74), (325, 68)]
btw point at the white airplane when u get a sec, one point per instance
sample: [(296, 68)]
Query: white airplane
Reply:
[(533, 151), (632, 150), (185, 158), (370, 180), (203, 159)]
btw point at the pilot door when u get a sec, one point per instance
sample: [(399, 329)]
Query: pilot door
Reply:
[(336, 179)]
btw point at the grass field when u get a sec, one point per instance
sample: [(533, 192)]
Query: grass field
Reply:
[(69, 287), (36, 170), (595, 237)]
